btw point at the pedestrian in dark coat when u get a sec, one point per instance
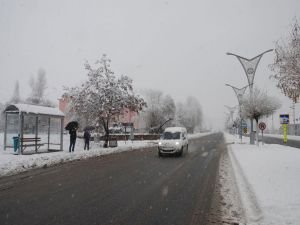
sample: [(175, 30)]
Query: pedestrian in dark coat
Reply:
[(73, 136), (87, 137)]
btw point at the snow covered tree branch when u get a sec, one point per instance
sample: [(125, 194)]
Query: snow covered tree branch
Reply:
[(104, 96), (260, 104), (189, 114), (286, 66), (160, 108), (257, 105)]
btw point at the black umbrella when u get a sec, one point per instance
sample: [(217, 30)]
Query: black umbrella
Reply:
[(89, 128), (72, 125)]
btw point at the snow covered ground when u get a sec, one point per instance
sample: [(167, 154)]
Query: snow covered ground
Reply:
[(12, 164), (268, 179)]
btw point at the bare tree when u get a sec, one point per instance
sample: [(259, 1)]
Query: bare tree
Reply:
[(257, 105), (153, 114), (38, 87), (16, 94), (104, 96), (189, 114), (160, 108), (286, 65), (168, 107)]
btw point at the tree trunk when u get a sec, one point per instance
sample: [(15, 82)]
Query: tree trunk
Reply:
[(105, 125)]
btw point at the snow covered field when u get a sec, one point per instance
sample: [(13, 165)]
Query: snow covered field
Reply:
[(268, 179), (12, 164)]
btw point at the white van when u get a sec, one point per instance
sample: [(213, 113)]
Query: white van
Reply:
[(173, 141)]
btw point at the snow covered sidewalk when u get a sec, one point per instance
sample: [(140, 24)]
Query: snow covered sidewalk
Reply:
[(268, 179)]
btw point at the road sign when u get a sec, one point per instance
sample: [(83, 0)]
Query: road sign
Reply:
[(244, 124), (245, 130), (284, 118), (262, 126)]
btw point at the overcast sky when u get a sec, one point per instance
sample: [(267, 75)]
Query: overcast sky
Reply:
[(175, 46)]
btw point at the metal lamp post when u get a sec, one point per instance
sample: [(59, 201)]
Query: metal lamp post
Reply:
[(239, 92), (231, 112), (250, 66)]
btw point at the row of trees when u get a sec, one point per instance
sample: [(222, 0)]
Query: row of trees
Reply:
[(38, 86), (104, 96), (162, 108)]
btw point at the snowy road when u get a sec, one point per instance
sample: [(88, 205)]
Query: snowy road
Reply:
[(127, 188), (293, 141)]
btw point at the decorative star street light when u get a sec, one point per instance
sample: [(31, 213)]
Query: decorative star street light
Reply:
[(239, 92), (250, 66)]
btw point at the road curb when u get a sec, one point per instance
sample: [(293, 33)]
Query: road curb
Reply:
[(251, 206)]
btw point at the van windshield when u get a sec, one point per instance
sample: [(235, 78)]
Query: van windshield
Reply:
[(170, 135)]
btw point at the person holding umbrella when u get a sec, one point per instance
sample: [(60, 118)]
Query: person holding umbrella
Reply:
[(72, 127), (73, 136), (87, 137)]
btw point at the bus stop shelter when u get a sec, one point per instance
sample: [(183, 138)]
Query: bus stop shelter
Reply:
[(32, 128)]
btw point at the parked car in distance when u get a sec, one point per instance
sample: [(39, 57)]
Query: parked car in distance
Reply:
[(173, 141)]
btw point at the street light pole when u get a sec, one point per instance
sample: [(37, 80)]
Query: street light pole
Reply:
[(239, 92), (231, 112), (250, 66)]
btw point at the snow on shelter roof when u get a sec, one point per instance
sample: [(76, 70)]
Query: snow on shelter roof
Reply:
[(34, 109)]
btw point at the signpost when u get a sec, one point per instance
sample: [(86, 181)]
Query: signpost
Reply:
[(262, 126), (284, 120)]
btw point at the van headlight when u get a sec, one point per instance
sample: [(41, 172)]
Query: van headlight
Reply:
[(177, 143), (159, 143)]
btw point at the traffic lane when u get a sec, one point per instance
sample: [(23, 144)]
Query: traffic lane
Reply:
[(127, 188), (279, 141)]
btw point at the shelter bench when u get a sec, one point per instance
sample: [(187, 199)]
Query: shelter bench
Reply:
[(30, 142)]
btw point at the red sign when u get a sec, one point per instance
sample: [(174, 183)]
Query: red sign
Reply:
[(262, 125)]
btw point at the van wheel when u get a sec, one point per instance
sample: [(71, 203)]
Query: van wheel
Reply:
[(181, 151), (160, 154)]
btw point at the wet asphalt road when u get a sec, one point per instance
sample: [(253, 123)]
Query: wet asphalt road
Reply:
[(130, 188), (279, 141)]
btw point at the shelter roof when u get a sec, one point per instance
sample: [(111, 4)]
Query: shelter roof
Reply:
[(34, 109)]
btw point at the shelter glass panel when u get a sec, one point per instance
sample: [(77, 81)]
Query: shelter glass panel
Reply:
[(55, 133), (43, 122), (12, 128)]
